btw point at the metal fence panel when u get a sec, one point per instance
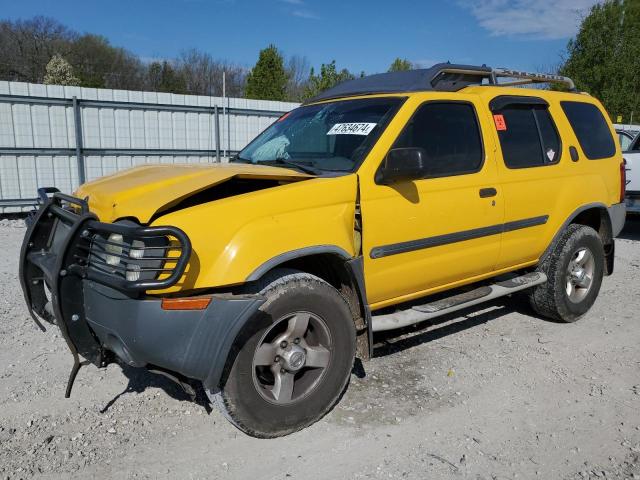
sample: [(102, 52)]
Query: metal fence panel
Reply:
[(117, 129)]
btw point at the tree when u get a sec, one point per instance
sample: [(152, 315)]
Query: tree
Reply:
[(298, 74), (99, 64), (328, 78), (604, 57), (163, 77), (203, 74), (26, 46), (400, 65), (60, 72), (268, 79)]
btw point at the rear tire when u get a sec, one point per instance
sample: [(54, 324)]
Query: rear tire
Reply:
[(294, 359), (574, 270)]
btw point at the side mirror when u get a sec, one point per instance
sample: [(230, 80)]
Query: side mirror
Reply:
[(401, 165)]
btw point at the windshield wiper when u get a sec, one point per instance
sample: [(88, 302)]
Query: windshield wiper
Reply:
[(239, 159), (281, 161)]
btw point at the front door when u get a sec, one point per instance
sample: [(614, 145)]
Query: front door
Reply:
[(424, 235)]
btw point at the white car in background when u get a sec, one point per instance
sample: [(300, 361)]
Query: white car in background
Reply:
[(632, 157), (625, 137), (627, 132)]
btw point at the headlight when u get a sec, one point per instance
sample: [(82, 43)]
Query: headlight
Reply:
[(133, 272), (113, 249), (137, 249), (133, 257)]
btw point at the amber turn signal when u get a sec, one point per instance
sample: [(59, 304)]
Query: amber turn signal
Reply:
[(189, 303)]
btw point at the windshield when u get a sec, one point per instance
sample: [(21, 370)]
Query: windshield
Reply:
[(328, 137)]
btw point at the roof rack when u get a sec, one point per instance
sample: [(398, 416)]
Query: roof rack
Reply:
[(521, 78), (441, 77)]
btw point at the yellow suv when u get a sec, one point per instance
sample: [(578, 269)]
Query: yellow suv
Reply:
[(384, 202)]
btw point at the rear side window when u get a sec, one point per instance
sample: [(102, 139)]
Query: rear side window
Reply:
[(591, 129), (527, 135), (449, 135)]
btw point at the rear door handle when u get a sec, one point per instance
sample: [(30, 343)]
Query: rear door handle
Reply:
[(488, 192)]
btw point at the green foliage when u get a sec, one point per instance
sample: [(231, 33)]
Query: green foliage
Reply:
[(400, 65), (59, 72), (99, 64), (268, 79), (163, 77), (604, 57), (329, 77), (27, 46)]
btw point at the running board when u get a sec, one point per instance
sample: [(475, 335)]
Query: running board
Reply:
[(427, 311)]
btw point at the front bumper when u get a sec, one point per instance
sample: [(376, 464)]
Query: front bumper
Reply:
[(194, 343), (100, 314)]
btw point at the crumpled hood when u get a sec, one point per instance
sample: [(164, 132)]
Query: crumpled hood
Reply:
[(142, 191)]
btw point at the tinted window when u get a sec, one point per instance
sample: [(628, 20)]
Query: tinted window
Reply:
[(635, 146), (591, 129), (528, 137), (449, 135)]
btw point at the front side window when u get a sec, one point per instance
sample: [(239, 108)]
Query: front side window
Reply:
[(591, 129), (528, 137), (327, 137), (449, 135)]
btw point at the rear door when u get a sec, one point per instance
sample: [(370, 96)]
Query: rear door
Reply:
[(530, 174)]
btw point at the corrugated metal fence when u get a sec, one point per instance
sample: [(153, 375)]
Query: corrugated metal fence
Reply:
[(117, 129)]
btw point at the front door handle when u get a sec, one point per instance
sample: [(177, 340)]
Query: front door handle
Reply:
[(488, 192)]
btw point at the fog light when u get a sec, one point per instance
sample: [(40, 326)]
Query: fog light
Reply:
[(133, 273), (113, 252), (137, 249)]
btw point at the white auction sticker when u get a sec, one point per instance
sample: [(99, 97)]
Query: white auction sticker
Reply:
[(351, 129)]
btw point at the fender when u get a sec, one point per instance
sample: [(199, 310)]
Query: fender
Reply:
[(612, 224), (355, 270), (293, 254)]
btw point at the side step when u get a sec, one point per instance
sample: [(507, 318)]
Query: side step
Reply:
[(427, 311)]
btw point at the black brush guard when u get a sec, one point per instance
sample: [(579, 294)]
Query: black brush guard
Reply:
[(54, 261)]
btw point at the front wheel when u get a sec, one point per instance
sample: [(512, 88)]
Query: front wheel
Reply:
[(294, 360), (574, 270)]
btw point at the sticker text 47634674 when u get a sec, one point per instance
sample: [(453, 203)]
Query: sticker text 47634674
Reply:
[(351, 129)]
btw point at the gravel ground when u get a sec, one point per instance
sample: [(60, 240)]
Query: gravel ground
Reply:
[(490, 394)]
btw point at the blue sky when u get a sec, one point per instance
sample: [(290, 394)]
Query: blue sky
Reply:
[(359, 35)]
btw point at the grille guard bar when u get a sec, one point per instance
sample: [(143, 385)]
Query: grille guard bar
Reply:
[(49, 261)]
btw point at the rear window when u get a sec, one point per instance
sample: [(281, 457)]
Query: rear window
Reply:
[(591, 129), (528, 136)]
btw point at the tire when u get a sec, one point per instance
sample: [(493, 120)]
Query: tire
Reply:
[(557, 299), (255, 396)]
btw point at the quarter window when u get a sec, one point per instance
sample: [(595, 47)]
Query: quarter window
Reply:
[(449, 135), (528, 136), (591, 129)]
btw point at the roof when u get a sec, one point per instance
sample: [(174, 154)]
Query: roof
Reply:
[(445, 77)]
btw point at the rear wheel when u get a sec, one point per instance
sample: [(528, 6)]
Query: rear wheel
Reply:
[(294, 361), (574, 270)]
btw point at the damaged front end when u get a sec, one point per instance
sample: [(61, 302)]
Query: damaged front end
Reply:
[(66, 249)]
